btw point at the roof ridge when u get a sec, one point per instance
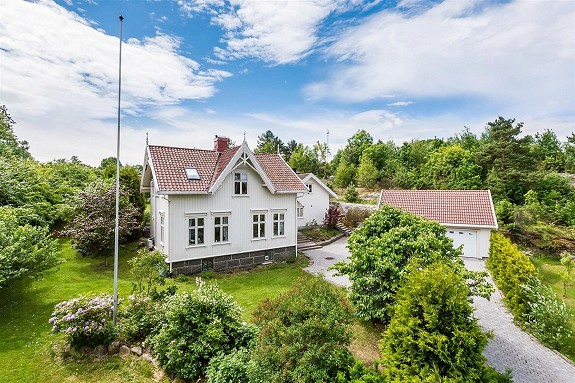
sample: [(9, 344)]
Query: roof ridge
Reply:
[(179, 147)]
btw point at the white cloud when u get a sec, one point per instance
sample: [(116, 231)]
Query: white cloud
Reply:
[(518, 55), (59, 77), (276, 32), (400, 103)]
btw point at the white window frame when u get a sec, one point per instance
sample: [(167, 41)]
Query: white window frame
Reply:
[(196, 229), (240, 183), (221, 226), (279, 219), (299, 211), (261, 225), (162, 227), (309, 188)]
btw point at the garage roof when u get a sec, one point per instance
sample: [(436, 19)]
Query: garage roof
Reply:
[(463, 208)]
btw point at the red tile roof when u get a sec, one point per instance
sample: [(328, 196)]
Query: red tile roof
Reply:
[(455, 207), (170, 163), (280, 174)]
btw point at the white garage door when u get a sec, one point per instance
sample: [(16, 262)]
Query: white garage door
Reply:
[(467, 238)]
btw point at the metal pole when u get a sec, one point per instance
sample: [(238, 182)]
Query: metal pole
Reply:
[(116, 229)]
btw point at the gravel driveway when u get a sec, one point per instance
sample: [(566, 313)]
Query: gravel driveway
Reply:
[(512, 348)]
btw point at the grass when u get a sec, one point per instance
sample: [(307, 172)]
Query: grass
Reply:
[(26, 341), (319, 234)]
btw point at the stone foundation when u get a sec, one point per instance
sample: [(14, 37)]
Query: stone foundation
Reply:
[(234, 261)]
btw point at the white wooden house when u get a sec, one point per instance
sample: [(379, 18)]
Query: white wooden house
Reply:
[(220, 209), (312, 205), (468, 215)]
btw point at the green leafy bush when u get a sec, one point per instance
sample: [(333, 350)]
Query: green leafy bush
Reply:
[(229, 368), (304, 334), (149, 270), (359, 373), (511, 269), (197, 326), (547, 317), (86, 320), (432, 336), (384, 248), (25, 251), (136, 316)]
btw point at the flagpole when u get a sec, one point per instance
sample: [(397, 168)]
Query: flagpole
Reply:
[(116, 229)]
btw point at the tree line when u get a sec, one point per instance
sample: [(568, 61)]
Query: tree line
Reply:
[(40, 201)]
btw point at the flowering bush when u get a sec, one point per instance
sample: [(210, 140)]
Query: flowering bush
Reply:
[(86, 320), (547, 317)]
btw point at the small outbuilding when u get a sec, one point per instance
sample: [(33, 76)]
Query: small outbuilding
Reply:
[(468, 215), (311, 206)]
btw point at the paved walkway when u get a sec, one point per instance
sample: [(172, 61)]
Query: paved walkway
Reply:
[(512, 348)]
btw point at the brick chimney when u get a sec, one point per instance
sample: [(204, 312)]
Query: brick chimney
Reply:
[(221, 144)]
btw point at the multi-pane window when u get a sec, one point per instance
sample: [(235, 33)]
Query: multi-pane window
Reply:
[(300, 211), (309, 187), (196, 231), (279, 224), (161, 228), (221, 229), (258, 226), (240, 183)]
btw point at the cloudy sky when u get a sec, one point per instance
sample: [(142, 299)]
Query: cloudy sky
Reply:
[(192, 69)]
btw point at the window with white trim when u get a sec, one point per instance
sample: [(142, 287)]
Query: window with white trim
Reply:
[(300, 211), (240, 183), (309, 187), (196, 231), (221, 229), (258, 226), (279, 224), (161, 227)]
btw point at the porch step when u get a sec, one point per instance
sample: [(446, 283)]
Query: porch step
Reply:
[(305, 244), (344, 229)]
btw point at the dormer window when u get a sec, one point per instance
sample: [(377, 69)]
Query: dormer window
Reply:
[(192, 174), (240, 183)]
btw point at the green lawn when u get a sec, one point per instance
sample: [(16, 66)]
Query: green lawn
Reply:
[(26, 341)]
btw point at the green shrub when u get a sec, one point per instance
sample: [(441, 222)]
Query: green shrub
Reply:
[(359, 373), (304, 334), (229, 368), (149, 269), (197, 326), (432, 336), (86, 320), (547, 317), (351, 195), (136, 318), (382, 251), (511, 269)]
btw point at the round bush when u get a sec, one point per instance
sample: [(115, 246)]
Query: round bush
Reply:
[(136, 318), (86, 320), (196, 326)]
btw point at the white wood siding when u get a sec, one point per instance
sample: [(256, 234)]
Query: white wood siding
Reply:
[(240, 209), (159, 205), (315, 204)]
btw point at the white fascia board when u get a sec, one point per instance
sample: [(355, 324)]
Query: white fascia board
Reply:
[(467, 226), (330, 192), (493, 209), (168, 192), (230, 166)]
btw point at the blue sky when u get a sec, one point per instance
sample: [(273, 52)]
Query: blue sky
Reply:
[(193, 69)]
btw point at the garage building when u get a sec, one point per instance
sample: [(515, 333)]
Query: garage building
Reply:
[(468, 215)]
